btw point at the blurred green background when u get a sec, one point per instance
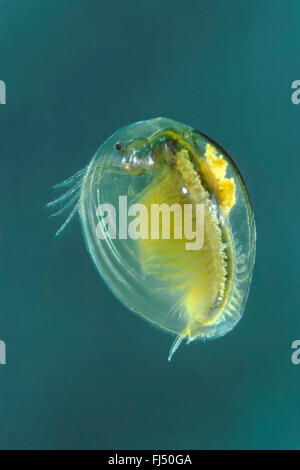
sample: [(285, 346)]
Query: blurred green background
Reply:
[(83, 372)]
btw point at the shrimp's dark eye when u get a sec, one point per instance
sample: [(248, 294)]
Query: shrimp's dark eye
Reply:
[(118, 146)]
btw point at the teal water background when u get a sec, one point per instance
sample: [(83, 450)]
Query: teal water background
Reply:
[(82, 371)]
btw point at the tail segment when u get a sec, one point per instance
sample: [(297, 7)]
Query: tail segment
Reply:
[(175, 346)]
